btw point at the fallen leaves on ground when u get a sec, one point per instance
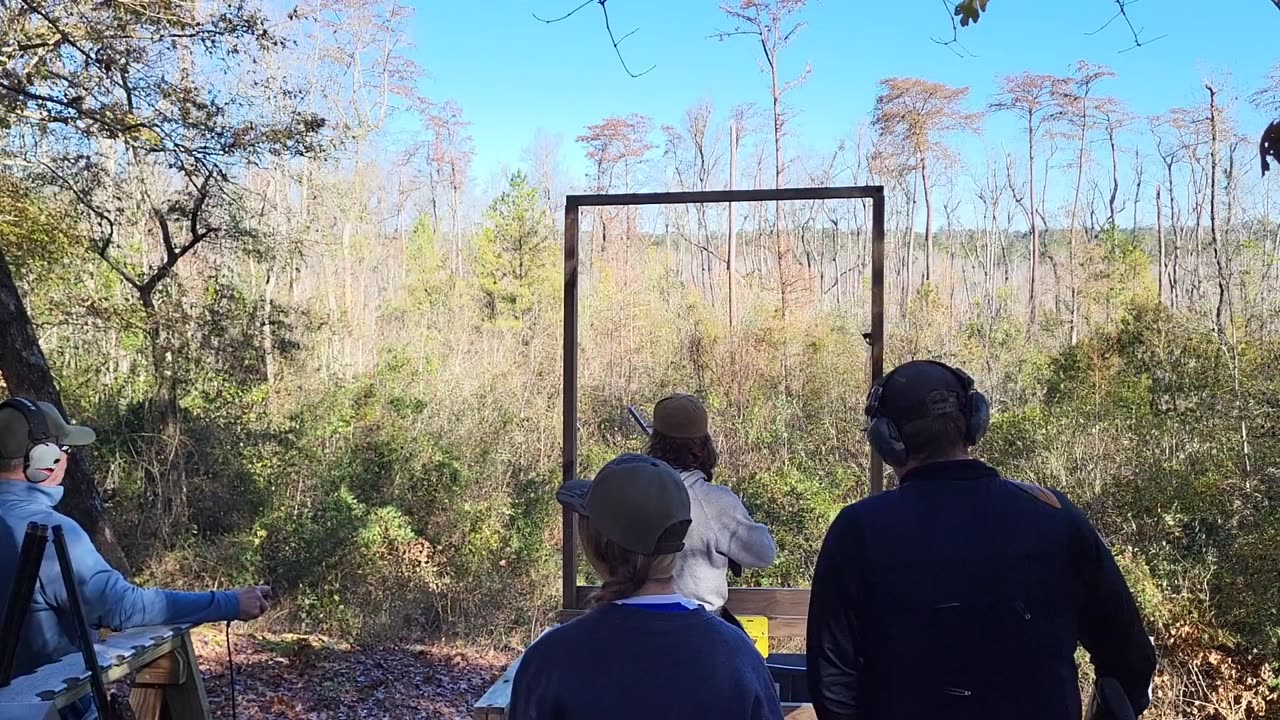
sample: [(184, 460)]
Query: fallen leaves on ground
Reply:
[(301, 676)]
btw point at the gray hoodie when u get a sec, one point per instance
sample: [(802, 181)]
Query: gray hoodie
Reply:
[(721, 531)]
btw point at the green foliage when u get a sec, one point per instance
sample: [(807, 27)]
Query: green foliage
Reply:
[(515, 252)]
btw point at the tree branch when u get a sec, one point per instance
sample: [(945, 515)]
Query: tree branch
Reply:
[(574, 11), (954, 42), (604, 8), (1123, 12)]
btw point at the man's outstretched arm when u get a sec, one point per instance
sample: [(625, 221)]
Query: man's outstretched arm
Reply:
[(832, 638), (113, 602)]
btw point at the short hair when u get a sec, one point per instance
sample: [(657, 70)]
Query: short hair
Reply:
[(11, 464), (938, 437), (624, 571), (685, 453)]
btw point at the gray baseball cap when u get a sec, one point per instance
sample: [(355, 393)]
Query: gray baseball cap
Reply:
[(636, 501), (16, 436)]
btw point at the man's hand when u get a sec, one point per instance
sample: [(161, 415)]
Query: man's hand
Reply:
[(253, 601)]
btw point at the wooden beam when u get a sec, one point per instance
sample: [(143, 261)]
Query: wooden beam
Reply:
[(781, 626), (699, 197), (770, 602), (493, 704)]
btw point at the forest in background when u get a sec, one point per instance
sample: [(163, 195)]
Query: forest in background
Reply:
[(319, 354)]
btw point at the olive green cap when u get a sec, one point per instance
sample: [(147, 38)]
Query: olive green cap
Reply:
[(681, 416)]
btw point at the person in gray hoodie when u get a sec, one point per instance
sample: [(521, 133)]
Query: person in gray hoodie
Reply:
[(722, 534)]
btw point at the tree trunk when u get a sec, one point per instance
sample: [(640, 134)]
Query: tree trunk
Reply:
[(1035, 234), (777, 184), (1115, 176), (1160, 264), (1218, 258), (733, 235), (268, 333), (1075, 210), (928, 220), (26, 374), (165, 472)]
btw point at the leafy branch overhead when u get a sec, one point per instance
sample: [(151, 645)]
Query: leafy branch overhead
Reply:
[(970, 11)]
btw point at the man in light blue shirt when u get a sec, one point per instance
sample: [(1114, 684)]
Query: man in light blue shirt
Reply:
[(34, 441)]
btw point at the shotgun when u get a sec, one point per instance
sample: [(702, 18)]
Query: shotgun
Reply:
[(645, 427), (1109, 702)]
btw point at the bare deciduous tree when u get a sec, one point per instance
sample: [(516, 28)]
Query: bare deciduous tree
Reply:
[(912, 115), (1030, 96), (773, 24)]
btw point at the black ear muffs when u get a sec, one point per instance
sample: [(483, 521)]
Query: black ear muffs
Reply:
[(42, 452), (977, 411), (883, 434)]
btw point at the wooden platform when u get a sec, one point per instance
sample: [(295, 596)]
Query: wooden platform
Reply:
[(168, 676)]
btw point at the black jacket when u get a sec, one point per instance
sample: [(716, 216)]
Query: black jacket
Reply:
[(963, 595)]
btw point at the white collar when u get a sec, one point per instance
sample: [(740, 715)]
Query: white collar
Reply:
[(658, 600)]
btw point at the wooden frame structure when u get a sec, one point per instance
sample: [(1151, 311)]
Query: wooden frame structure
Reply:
[(786, 608), (572, 211)]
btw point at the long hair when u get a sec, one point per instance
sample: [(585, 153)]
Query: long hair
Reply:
[(685, 454), (622, 571)]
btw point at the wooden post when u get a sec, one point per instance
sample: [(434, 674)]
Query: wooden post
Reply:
[(171, 686), (569, 460), (876, 475)]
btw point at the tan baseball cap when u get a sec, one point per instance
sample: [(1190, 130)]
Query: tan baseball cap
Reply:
[(681, 416)]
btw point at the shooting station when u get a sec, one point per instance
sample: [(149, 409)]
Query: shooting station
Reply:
[(768, 613), (161, 659)]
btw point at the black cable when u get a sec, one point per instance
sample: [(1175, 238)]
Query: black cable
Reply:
[(231, 668)]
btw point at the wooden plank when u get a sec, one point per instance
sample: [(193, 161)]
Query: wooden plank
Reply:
[(119, 655), (147, 702), (498, 696), (187, 699), (770, 602), (795, 711), (869, 192), (785, 626)]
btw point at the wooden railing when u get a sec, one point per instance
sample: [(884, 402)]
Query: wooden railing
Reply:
[(168, 677), (786, 608)]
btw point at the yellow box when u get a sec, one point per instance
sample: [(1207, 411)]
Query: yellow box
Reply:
[(757, 627)]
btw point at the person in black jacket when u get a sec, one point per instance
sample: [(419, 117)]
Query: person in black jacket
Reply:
[(961, 594)]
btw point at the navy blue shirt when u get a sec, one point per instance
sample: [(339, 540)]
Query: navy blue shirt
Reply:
[(963, 595), (631, 662)]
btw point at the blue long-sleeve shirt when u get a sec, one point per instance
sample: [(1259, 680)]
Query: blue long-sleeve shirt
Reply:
[(108, 599)]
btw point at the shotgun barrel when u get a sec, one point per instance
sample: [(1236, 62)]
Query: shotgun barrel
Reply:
[(82, 625), (30, 558)]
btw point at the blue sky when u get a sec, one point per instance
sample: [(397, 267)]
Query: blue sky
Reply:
[(514, 75)]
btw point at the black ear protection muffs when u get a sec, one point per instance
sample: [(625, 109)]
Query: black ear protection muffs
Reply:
[(883, 434), (42, 452)]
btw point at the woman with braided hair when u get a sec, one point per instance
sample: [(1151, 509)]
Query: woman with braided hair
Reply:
[(643, 650)]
